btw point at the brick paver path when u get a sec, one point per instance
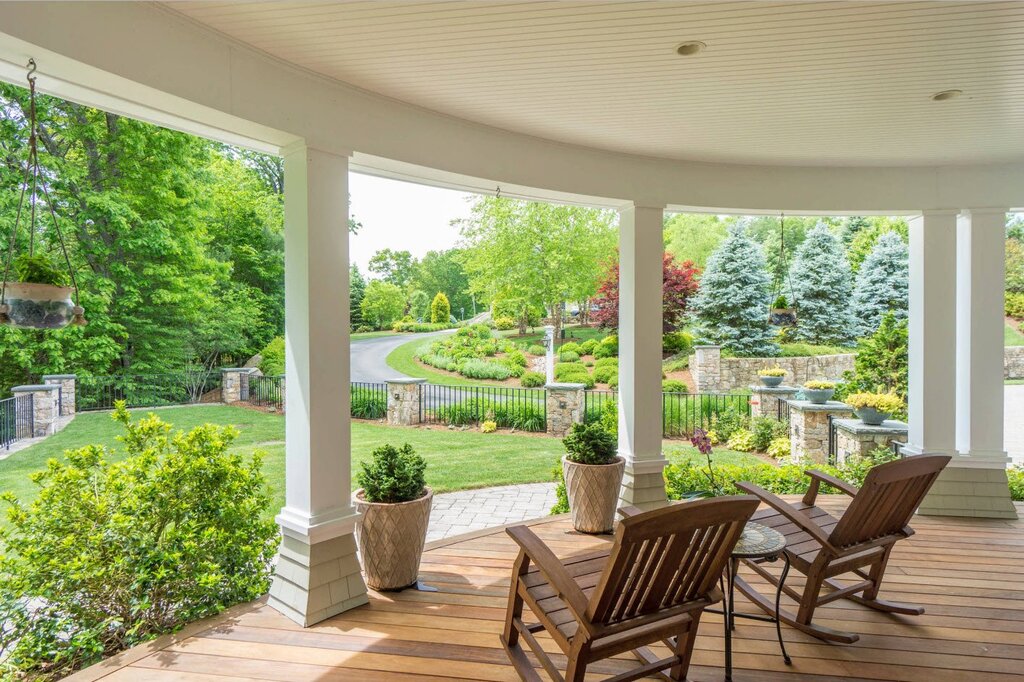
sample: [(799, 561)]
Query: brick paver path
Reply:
[(469, 510)]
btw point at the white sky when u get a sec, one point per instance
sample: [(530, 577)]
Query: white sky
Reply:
[(402, 216)]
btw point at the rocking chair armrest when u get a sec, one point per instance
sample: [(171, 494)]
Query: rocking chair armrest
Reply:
[(629, 511), (781, 506), (819, 477), (548, 564)]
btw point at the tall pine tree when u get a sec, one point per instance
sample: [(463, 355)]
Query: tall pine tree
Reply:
[(882, 284), (822, 288), (356, 291), (731, 305)]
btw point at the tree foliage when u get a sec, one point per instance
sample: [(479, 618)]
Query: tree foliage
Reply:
[(1015, 266), (731, 305), (440, 309), (882, 362), (442, 271), (864, 240), (419, 305), (882, 284), (822, 289), (356, 291), (694, 236), (679, 284), (395, 267), (382, 304)]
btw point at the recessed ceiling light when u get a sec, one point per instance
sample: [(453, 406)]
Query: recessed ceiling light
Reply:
[(690, 47), (947, 94)]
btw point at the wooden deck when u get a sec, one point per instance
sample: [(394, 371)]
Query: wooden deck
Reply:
[(968, 574)]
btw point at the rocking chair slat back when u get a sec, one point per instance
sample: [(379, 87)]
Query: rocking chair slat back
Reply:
[(668, 557), (891, 494)]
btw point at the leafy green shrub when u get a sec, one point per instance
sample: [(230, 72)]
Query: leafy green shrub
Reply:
[(568, 356), (608, 348), (1014, 305), (485, 369), (1015, 477), (588, 346), (677, 342), (765, 430), (573, 373), (504, 323), (440, 362), (741, 441), (779, 447), (561, 505), (533, 380), (676, 365), (272, 357), (607, 362), (673, 386), (603, 375), (571, 347), (613, 383), (40, 268), (728, 421), (780, 302), (516, 357), (363, 328), (536, 349), (393, 475), (412, 326), (368, 407), (590, 444), (440, 309), (111, 554)]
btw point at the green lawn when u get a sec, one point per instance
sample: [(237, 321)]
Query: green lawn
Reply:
[(355, 336), (456, 460), (1012, 337), (572, 333)]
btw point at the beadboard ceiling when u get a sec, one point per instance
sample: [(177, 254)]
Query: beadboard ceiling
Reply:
[(789, 83)]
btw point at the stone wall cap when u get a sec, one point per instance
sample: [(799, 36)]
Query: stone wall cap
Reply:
[(31, 388), (706, 346), (59, 376), (856, 426), (406, 380), (761, 388), (247, 370), (565, 387), (830, 406)]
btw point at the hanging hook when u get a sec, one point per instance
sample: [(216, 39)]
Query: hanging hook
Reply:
[(497, 192), (31, 70)]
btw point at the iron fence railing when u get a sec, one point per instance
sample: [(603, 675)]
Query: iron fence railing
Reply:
[(681, 413), (16, 420), (782, 410), (833, 440), (369, 400), (266, 391), (147, 390), (524, 409)]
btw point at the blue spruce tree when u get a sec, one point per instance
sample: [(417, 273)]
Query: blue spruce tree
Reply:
[(822, 288), (731, 306), (882, 284)]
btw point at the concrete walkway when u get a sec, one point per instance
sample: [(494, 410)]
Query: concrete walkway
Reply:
[(469, 510)]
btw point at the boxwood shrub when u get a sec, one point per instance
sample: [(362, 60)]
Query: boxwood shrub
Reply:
[(533, 380)]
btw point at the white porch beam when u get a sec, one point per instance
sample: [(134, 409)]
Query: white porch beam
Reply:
[(640, 318), (318, 573)]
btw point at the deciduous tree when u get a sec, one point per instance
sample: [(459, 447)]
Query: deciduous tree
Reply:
[(679, 284)]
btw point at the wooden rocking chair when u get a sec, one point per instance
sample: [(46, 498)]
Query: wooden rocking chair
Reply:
[(823, 547), (653, 585)]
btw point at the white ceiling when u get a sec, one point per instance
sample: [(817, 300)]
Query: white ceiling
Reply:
[(780, 82)]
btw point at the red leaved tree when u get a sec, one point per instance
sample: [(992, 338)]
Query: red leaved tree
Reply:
[(678, 285)]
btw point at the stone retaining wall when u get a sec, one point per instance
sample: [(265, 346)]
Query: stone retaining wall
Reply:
[(713, 373)]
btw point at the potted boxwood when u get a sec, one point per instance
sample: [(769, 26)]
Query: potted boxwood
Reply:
[(41, 296), (593, 474), (394, 503), (874, 408), (781, 314), (771, 376), (819, 392)]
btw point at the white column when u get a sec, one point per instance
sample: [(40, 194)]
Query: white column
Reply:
[(318, 572), (932, 333), (640, 318)]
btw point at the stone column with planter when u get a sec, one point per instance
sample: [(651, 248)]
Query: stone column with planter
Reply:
[(44, 407), (67, 397), (234, 384), (565, 407), (404, 401), (769, 401), (808, 428), (854, 438), (706, 368)]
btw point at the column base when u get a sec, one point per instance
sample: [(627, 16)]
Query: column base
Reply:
[(971, 487), (643, 484)]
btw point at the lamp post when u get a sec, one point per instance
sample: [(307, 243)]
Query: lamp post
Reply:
[(549, 342)]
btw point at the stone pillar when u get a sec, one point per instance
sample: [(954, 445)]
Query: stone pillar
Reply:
[(565, 406), (808, 428), (974, 483), (44, 407), (284, 393), (707, 368), (234, 384), (854, 438), (770, 401), (404, 401), (67, 385), (318, 572), (641, 249)]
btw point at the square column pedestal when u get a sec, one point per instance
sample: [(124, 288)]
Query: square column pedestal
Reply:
[(971, 487), (770, 401), (808, 428), (854, 438)]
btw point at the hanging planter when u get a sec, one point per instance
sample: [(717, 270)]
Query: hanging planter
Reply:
[(43, 294), (781, 314)]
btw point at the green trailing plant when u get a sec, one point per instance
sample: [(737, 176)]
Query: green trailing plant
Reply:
[(393, 475), (40, 268), (119, 547), (590, 444)]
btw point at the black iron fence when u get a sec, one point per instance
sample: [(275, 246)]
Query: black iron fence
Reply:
[(833, 440), (369, 400), (266, 391), (681, 413), (147, 390), (524, 409), (16, 420)]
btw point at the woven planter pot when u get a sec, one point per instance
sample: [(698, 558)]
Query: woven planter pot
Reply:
[(391, 538), (593, 491), (39, 306)]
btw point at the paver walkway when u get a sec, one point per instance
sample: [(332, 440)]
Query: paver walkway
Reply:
[(468, 510)]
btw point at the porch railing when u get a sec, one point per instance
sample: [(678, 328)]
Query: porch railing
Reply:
[(16, 420), (524, 409)]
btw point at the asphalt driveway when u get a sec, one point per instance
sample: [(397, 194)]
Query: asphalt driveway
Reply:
[(369, 356)]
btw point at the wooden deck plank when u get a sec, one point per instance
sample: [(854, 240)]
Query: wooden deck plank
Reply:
[(965, 572)]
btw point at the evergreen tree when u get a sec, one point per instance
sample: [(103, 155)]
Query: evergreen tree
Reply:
[(356, 291), (440, 309), (419, 305), (822, 288), (731, 305), (882, 284)]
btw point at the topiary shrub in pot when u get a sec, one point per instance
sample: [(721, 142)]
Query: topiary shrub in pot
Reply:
[(41, 296), (593, 474), (819, 392), (874, 408), (771, 376), (394, 505)]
